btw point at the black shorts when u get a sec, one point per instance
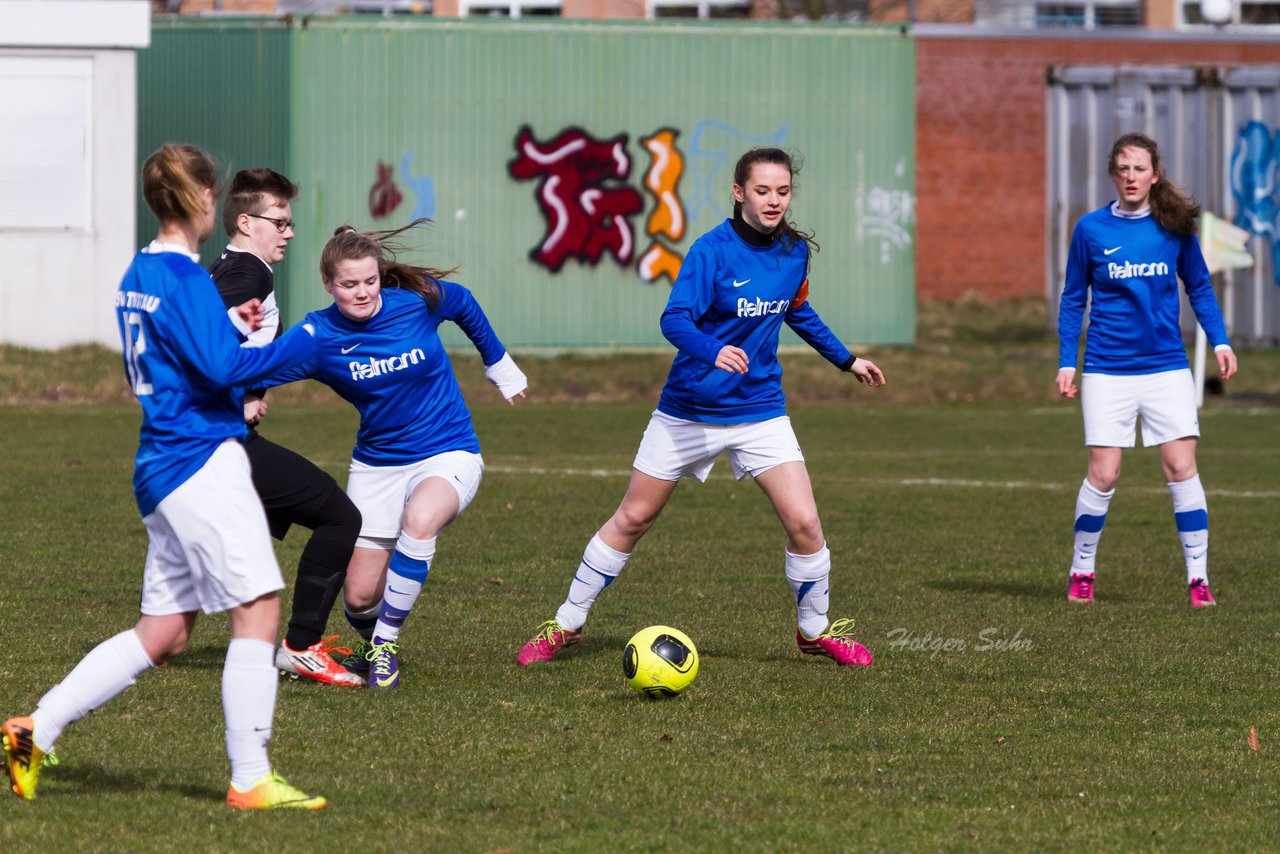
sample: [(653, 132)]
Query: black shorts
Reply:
[(292, 488)]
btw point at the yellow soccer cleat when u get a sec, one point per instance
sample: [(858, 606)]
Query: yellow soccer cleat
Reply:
[(22, 758), (273, 793)]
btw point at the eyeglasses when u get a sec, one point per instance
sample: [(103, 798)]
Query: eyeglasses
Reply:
[(282, 225)]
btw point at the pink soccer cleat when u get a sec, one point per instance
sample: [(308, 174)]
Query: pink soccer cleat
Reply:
[(1080, 590), (549, 642), (1198, 594), (836, 644)]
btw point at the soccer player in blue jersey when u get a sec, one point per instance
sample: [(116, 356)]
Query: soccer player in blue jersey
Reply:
[(208, 543), (1129, 256), (739, 283), (416, 463)]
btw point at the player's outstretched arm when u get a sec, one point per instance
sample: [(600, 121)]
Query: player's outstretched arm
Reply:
[(867, 372)]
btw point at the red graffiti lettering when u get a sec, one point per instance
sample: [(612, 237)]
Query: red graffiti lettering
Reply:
[(585, 207), (384, 196)]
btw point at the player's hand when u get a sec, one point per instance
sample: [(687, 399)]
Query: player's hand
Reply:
[(255, 409), (511, 401), (732, 359), (1227, 363), (1066, 382), (251, 313), (867, 372)]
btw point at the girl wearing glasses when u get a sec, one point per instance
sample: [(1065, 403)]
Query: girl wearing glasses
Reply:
[(416, 463), (258, 217)]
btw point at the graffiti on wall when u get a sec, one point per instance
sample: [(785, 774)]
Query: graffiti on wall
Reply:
[(1254, 165), (667, 221), (884, 214), (583, 195), (587, 203), (384, 195)]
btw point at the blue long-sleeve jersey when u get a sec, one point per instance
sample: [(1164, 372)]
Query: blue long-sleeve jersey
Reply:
[(1132, 267), (729, 292), (183, 358), (394, 369)]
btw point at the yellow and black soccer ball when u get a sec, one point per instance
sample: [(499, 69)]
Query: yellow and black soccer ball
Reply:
[(660, 661)]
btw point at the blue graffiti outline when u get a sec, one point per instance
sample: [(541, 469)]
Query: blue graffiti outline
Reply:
[(705, 164), (1254, 164), (423, 187)]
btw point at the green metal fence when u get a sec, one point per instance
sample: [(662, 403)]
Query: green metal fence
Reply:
[(567, 165)]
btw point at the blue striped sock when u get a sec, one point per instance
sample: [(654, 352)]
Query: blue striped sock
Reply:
[(405, 577)]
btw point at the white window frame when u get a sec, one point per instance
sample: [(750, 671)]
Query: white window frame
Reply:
[(514, 8), (1090, 11), (703, 7), (1234, 23)]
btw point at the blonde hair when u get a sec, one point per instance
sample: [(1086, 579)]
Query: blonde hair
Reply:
[(173, 180), (347, 244)]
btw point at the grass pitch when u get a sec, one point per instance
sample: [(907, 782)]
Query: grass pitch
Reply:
[(997, 716)]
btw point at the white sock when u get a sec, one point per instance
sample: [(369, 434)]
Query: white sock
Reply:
[(249, 703), (1191, 513), (406, 574), (809, 577), (600, 566), (108, 669), (1091, 515)]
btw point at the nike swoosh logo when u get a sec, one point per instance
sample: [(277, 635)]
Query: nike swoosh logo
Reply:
[(391, 589), (383, 683), (738, 284), (1109, 251), (1088, 545), (346, 350)]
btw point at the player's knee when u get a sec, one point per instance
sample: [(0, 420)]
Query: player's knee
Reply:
[(806, 532), (340, 519), (634, 521)]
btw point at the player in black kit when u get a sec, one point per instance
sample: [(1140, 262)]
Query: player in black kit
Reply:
[(258, 216)]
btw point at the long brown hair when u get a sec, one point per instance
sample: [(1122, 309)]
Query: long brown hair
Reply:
[(347, 244), (173, 178), (1171, 206), (788, 232)]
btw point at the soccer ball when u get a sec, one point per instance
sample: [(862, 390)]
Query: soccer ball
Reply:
[(660, 661)]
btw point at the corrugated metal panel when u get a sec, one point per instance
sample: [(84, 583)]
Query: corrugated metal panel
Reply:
[(1252, 298), (1197, 116), (223, 85), (437, 106)]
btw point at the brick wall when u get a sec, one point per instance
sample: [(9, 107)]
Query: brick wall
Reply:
[(980, 149)]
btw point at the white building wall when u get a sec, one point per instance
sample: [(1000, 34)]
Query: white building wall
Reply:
[(57, 282)]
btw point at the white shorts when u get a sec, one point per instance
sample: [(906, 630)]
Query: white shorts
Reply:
[(1112, 403), (210, 549), (673, 448), (381, 492)]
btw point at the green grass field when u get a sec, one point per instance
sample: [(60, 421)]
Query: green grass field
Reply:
[(996, 717)]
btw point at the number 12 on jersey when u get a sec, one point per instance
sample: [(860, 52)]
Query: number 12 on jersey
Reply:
[(135, 347)]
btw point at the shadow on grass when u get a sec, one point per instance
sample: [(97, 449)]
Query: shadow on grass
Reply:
[(1027, 589), (81, 778), (208, 656)]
